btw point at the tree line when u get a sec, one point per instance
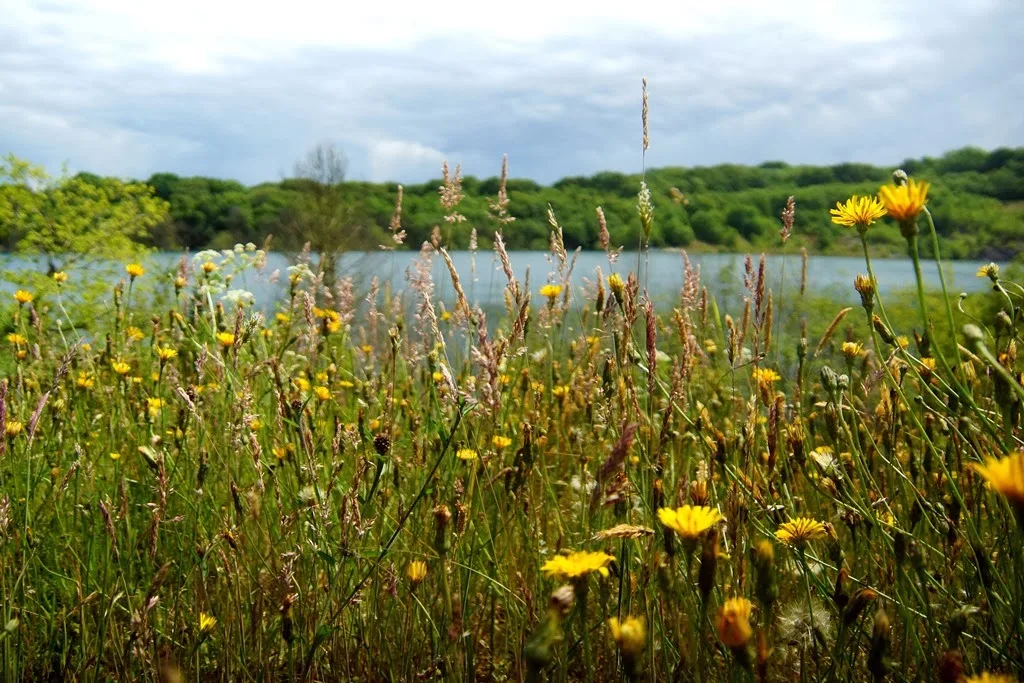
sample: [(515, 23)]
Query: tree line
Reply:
[(977, 200)]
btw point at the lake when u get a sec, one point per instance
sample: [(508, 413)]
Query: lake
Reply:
[(484, 282)]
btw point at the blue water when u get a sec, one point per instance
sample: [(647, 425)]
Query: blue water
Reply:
[(484, 281)]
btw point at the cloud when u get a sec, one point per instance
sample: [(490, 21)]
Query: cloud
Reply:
[(242, 90)]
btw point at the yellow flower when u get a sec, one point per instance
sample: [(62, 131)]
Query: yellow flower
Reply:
[(800, 530), (989, 270), (206, 622), (120, 367), (180, 282), (346, 384), (437, 376), (617, 285), (23, 297), (60, 277), (12, 428), (322, 393), (560, 391), (859, 212), (85, 380), (577, 565), (551, 291), (903, 341), (929, 363), (165, 354), (690, 521), (1006, 477), (446, 316), (134, 270), (416, 572), (904, 202), (255, 424), (115, 456), (630, 635), (852, 350), (987, 677), (226, 339), (154, 405), (209, 267), (134, 333), (765, 377), (501, 441), (733, 622), (16, 339)]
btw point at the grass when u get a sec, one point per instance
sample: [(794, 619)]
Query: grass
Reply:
[(391, 490)]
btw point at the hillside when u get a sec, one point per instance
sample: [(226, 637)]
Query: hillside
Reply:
[(977, 201)]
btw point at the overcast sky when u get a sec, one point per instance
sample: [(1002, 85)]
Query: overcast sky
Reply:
[(242, 89)]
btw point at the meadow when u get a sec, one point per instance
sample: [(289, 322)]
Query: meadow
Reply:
[(393, 485)]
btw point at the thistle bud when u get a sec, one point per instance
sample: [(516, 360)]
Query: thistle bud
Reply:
[(865, 286), (883, 331)]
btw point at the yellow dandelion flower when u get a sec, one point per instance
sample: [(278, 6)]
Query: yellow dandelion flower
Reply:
[(500, 442), (577, 565), (852, 350), (465, 454), (800, 530), (23, 297), (115, 456), (206, 622), (733, 622), (902, 341), (617, 285), (765, 377), (904, 202), (209, 267), (551, 291), (986, 677), (85, 380), (989, 270), (322, 393), (560, 391), (60, 277), (165, 353), (226, 339), (134, 333), (630, 635), (690, 521), (416, 572), (1006, 477), (16, 339), (134, 270), (446, 316), (437, 376), (858, 212), (12, 428), (120, 367), (180, 282), (154, 405)]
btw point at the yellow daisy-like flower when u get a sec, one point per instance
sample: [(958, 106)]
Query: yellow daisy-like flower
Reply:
[(500, 442), (17, 339), (23, 297), (437, 376), (1006, 477), (416, 572), (115, 456), (858, 212), (322, 393), (206, 622), (226, 339), (800, 530), (904, 202), (852, 350), (209, 267), (617, 285), (733, 622), (134, 333), (465, 454), (134, 270), (165, 353), (989, 270), (765, 377), (12, 428), (120, 367), (85, 380), (154, 405), (987, 677), (690, 521), (551, 291), (630, 635), (577, 565), (60, 277)]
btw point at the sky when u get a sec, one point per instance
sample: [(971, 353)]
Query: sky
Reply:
[(244, 89)]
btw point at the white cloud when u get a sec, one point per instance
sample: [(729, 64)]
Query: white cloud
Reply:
[(242, 89)]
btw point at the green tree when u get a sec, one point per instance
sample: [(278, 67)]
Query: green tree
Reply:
[(68, 221)]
